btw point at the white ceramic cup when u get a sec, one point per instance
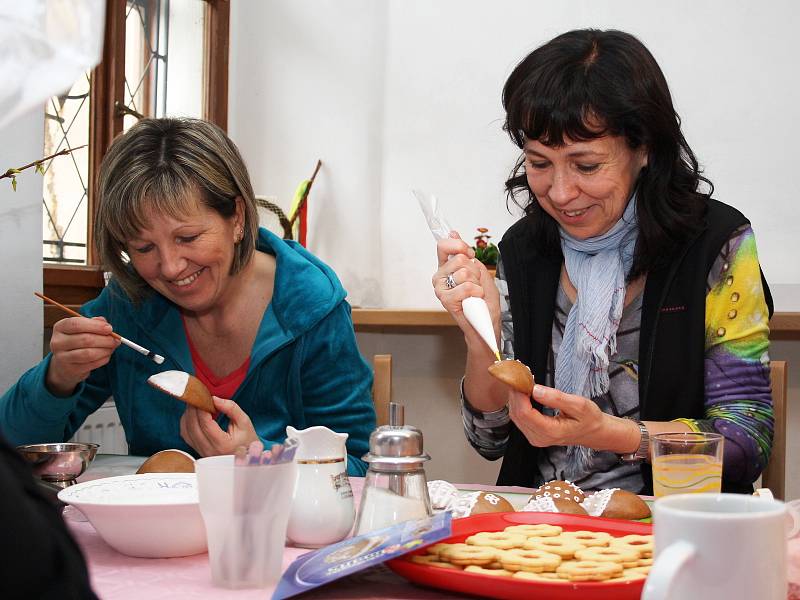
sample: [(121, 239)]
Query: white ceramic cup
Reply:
[(245, 510), (718, 547)]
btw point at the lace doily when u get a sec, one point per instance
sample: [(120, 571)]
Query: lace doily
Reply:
[(442, 493), (597, 502)]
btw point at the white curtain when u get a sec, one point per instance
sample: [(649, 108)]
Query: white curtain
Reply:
[(44, 47)]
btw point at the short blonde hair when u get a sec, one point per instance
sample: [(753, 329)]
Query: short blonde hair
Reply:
[(154, 167)]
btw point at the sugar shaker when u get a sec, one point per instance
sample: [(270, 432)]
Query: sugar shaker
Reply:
[(395, 488)]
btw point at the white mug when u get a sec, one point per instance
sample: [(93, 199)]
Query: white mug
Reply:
[(718, 547)]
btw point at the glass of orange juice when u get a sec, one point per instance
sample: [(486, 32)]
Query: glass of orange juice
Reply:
[(686, 463)]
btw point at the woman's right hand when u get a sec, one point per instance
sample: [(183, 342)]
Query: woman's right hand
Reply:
[(79, 345), (471, 278)]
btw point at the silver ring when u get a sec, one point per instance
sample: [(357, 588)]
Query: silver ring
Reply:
[(450, 282)]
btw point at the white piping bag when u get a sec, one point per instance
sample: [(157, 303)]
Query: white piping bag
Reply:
[(475, 309)]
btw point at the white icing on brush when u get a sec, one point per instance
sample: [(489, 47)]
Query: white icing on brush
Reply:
[(172, 382), (477, 313)]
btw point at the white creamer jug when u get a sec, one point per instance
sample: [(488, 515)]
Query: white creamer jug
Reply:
[(322, 507)]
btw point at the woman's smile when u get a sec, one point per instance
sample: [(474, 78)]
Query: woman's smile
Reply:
[(186, 282), (575, 216)]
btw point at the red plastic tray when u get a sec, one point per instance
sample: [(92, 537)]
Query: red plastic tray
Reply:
[(489, 586)]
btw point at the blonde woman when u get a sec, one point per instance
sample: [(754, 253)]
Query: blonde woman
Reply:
[(261, 321)]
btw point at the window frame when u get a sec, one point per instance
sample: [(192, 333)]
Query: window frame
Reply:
[(75, 284)]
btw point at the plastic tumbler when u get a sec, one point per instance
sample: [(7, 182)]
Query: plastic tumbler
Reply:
[(686, 463), (245, 510)]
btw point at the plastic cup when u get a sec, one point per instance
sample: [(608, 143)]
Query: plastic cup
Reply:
[(686, 463), (245, 510)]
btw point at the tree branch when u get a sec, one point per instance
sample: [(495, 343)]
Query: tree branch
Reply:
[(14, 171)]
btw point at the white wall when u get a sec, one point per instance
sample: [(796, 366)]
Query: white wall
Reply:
[(306, 83), (20, 249), (396, 94)]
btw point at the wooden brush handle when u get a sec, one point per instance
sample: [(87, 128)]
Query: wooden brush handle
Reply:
[(69, 311)]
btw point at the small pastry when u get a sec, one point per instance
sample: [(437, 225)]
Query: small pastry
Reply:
[(185, 387), (559, 489), (555, 505), (488, 502), (568, 507), (476, 503), (168, 461), (513, 373), (615, 503)]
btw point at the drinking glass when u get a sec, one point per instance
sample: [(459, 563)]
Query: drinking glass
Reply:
[(685, 463), (245, 510)]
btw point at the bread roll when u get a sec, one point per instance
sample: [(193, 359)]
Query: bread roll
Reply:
[(168, 461), (625, 505)]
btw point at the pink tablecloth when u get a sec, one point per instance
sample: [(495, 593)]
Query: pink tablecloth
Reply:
[(119, 577)]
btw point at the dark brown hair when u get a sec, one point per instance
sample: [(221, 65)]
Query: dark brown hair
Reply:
[(585, 78)]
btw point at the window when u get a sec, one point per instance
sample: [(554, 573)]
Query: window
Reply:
[(160, 58), (65, 187)]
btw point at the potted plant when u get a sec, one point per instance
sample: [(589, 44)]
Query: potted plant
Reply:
[(485, 251)]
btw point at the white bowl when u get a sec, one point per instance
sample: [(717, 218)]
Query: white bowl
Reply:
[(155, 515)]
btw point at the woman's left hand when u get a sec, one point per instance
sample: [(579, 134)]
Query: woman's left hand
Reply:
[(203, 433), (579, 421)]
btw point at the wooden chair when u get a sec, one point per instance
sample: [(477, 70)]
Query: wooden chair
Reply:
[(774, 476), (382, 386)]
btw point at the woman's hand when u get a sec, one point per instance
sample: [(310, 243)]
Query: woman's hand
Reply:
[(203, 433), (469, 278), (579, 422), (79, 345)]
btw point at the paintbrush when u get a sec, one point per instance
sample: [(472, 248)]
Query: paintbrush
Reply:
[(156, 358)]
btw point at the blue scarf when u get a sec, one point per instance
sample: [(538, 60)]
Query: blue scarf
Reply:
[(597, 268)]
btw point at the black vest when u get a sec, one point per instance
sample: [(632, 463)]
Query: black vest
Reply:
[(671, 339)]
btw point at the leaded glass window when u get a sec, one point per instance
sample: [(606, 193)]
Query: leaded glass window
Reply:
[(164, 76), (66, 185)]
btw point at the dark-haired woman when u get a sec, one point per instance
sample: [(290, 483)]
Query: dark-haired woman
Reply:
[(636, 299)]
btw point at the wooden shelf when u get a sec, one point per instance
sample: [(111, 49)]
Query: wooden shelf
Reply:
[(787, 323), (782, 326), (391, 317)]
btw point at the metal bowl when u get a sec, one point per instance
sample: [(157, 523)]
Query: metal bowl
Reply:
[(59, 463)]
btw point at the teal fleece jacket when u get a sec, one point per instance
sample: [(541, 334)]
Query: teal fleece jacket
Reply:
[(305, 368)]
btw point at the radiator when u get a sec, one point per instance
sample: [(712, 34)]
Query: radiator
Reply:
[(103, 427)]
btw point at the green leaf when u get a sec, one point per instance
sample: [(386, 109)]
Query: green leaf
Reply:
[(488, 255), (14, 183), (40, 169)]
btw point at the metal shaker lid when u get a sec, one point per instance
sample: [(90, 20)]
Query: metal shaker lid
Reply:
[(396, 448)]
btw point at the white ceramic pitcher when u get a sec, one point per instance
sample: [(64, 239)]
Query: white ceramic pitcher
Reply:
[(322, 507)]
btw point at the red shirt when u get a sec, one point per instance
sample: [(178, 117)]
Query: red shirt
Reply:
[(222, 387)]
